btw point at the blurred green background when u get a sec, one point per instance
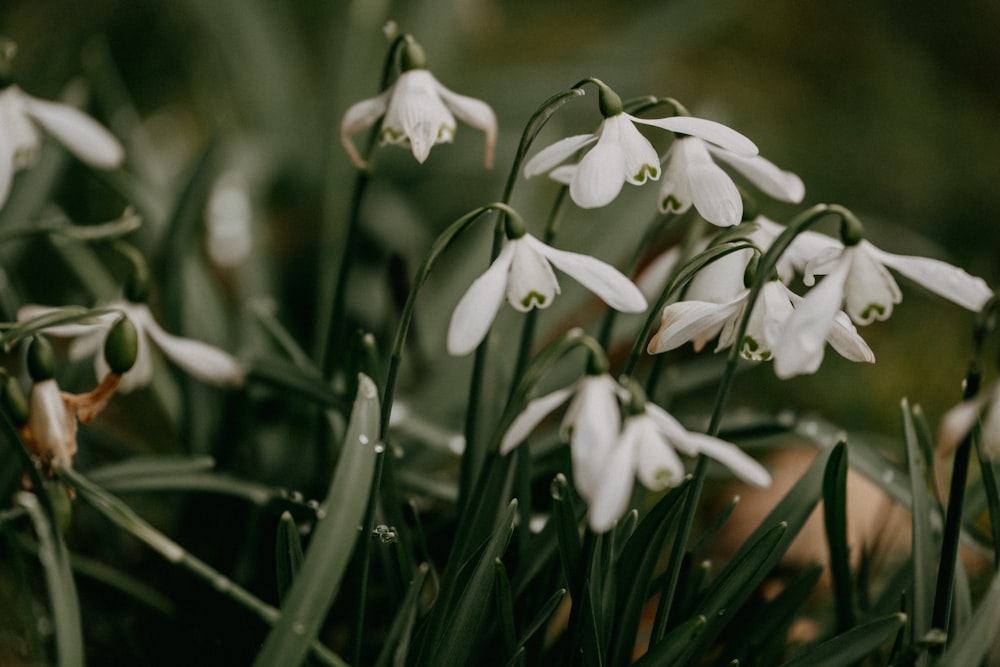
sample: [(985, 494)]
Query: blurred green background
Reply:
[(889, 108)]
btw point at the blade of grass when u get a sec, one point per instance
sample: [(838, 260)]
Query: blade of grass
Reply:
[(396, 644), (63, 600), (971, 646), (334, 536), (850, 647), (835, 522), (924, 554), (288, 554)]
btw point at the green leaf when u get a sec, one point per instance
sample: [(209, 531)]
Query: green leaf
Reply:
[(59, 580), (850, 647), (287, 554), (284, 375), (975, 640), (635, 566), (567, 523), (835, 522), (670, 649), (334, 536), (924, 551), (505, 607), (396, 644), (545, 611), (460, 616)]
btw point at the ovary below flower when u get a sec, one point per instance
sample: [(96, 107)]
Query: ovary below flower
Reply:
[(622, 155), (417, 112), (200, 360), (522, 273), (21, 115)]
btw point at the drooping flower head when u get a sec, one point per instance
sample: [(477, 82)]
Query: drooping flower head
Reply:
[(522, 274), (417, 112), (23, 116), (620, 153)]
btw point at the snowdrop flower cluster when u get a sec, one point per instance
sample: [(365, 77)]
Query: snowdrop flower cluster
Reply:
[(793, 330), (615, 436)]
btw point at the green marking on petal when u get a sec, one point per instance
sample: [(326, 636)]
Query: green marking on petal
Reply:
[(670, 203), (750, 344), (533, 299), (873, 311), (647, 171), (446, 133), (390, 135)]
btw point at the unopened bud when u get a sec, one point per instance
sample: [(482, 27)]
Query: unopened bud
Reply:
[(41, 359), (121, 346), (13, 398)]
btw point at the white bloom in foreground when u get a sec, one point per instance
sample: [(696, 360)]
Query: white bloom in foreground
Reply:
[(858, 279), (522, 273), (591, 425), (691, 177), (418, 112), (20, 117), (960, 420), (647, 449), (200, 360), (621, 154)]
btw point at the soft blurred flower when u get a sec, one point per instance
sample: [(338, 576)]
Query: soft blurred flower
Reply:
[(50, 432), (522, 273), (621, 154), (691, 176), (418, 112), (20, 114), (200, 360), (647, 449), (960, 420)]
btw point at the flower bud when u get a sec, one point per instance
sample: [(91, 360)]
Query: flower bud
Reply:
[(137, 286), (13, 399), (121, 346), (41, 359), (514, 227), (852, 232), (608, 100)]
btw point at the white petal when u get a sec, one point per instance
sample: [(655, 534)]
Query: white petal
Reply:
[(772, 181), (592, 423), (552, 155), (739, 462), (990, 443), (30, 311), (81, 134), (685, 321), (870, 291), (52, 426), (675, 188), (653, 278), (564, 174), (473, 112), (957, 422), (478, 308), (712, 190), (845, 339), (657, 465), (611, 498), (600, 278), (532, 283), (200, 360), (641, 161), (799, 350), (360, 116), (534, 412), (601, 173), (950, 282), (709, 130)]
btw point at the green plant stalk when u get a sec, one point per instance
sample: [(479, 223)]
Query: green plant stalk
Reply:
[(764, 269), (945, 587), (473, 457), (122, 515)]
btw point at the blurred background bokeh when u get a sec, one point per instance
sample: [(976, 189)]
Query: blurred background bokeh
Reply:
[(890, 108)]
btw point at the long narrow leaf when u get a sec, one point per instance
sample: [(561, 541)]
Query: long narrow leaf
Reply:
[(848, 648), (924, 557), (396, 644), (835, 522), (59, 581), (333, 539), (288, 554), (979, 634)]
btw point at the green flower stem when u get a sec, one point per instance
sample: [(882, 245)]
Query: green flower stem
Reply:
[(122, 515), (64, 315), (333, 279), (437, 249), (765, 268), (944, 590)]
